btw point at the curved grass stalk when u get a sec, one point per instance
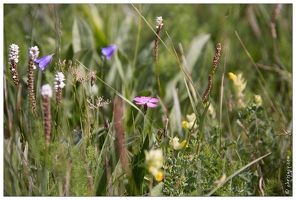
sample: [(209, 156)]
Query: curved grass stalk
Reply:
[(236, 173)]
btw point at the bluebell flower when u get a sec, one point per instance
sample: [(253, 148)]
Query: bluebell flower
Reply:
[(44, 61), (108, 51)]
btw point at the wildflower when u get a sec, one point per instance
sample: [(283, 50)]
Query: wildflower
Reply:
[(240, 84), (238, 81), (13, 60), (207, 92), (46, 90), (154, 158), (46, 93), (108, 51), (158, 175), (191, 119), (258, 100), (59, 81), (154, 161), (176, 144), (159, 21), (156, 41), (44, 61), (210, 77), (149, 101), (216, 57), (232, 76), (58, 85), (33, 54)]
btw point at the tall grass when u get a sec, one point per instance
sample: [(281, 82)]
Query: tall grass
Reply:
[(209, 134)]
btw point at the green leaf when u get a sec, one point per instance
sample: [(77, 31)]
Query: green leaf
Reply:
[(196, 47), (82, 35)]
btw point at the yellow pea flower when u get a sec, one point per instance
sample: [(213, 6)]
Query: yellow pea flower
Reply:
[(176, 144)]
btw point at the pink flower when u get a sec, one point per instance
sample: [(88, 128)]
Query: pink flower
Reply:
[(149, 101)]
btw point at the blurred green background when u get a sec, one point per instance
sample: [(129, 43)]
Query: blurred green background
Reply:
[(52, 28)]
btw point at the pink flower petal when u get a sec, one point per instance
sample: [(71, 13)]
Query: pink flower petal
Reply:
[(139, 100), (149, 101), (151, 105), (140, 103), (145, 98), (153, 100)]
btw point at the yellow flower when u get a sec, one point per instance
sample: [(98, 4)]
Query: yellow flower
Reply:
[(185, 124), (158, 175), (176, 144), (238, 81), (232, 76), (240, 84), (183, 144), (188, 124), (258, 99)]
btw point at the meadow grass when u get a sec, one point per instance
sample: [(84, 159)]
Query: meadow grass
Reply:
[(217, 119)]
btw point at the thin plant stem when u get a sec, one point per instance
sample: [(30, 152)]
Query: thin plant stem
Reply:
[(236, 173)]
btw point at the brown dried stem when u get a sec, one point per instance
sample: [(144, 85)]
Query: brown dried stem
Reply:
[(47, 118), (210, 77), (13, 70), (31, 85)]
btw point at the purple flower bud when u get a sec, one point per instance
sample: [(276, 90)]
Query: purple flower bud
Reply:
[(108, 51), (44, 61)]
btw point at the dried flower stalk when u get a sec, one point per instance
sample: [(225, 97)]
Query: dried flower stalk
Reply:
[(208, 88), (100, 102), (58, 85), (118, 115), (216, 57), (210, 77), (159, 28), (13, 60), (33, 54), (273, 18), (46, 93), (31, 86)]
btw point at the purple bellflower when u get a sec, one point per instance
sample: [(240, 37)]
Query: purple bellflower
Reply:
[(44, 61), (148, 101), (108, 51)]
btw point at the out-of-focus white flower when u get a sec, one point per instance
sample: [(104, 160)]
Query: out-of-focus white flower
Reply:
[(154, 158), (159, 21), (33, 53), (13, 53), (59, 81), (46, 90), (154, 161)]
